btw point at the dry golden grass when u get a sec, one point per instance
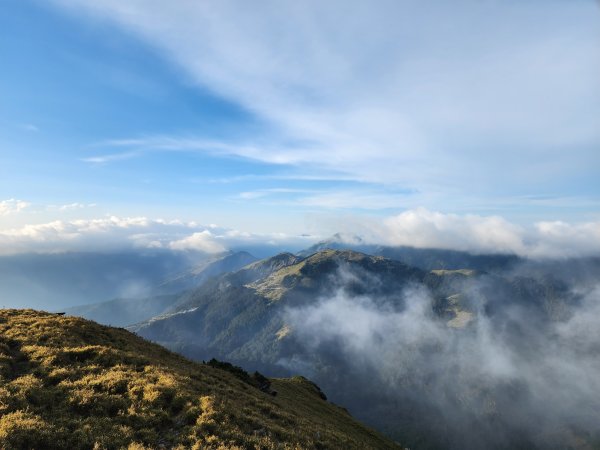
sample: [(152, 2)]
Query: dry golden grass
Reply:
[(68, 383), (277, 284)]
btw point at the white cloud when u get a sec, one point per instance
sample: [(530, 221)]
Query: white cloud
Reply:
[(72, 206), (251, 195), (423, 228), (560, 238), (439, 95), (122, 233), (356, 199), (260, 193), (202, 241), (396, 342), (95, 234), (12, 206), (416, 228), (103, 159)]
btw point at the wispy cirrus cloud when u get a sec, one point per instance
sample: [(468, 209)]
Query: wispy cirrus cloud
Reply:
[(262, 193), (289, 176), (437, 96), (112, 157), (132, 148), (29, 127), (366, 199), (71, 206)]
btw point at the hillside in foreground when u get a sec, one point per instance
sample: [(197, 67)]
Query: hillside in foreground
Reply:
[(70, 383)]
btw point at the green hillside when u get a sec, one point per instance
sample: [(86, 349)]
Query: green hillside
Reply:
[(67, 382)]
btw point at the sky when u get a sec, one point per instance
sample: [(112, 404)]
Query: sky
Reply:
[(195, 124)]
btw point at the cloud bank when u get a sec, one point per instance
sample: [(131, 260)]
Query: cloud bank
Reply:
[(201, 240), (419, 228), (123, 233), (423, 228), (510, 376)]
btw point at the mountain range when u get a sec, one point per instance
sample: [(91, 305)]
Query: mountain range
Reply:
[(420, 351)]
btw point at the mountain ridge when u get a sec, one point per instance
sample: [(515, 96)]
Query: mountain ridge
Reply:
[(309, 314)]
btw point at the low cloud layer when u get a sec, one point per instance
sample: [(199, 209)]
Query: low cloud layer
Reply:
[(416, 228), (202, 241), (123, 233), (517, 374), (423, 228)]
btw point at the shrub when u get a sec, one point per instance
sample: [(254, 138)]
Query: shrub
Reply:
[(22, 430)]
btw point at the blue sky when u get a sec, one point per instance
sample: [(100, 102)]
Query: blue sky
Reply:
[(299, 117)]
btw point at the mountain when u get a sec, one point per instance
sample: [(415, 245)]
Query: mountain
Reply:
[(121, 312), (128, 311), (240, 315), (420, 354), (66, 382), (211, 267), (423, 258)]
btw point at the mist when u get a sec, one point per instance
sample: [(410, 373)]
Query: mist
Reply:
[(500, 373), (61, 280)]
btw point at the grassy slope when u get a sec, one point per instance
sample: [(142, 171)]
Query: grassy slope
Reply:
[(69, 383)]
